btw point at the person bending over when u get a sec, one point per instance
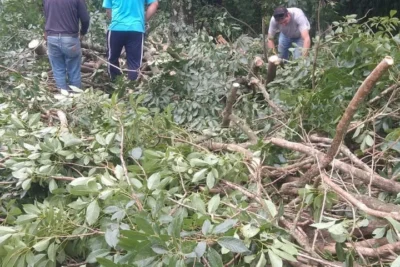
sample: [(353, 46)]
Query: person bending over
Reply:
[(294, 27)]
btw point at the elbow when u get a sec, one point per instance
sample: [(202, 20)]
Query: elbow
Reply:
[(155, 5)]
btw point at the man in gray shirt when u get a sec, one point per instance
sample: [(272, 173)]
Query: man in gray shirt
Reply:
[(294, 28), (63, 39)]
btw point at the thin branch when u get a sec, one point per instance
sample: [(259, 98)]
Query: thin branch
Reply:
[(121, 156)]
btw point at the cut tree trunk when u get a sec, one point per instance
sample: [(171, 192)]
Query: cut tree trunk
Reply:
[(38, 47)]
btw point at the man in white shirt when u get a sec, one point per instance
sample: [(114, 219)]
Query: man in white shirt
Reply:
[(294, 27)]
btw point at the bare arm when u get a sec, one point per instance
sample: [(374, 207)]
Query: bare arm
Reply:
[(108, 13), (306, 42), (151, 10), (271, 43)]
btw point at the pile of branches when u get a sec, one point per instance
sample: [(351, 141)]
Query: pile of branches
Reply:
[(328, 165)]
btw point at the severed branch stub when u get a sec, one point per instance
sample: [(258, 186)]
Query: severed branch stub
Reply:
[(38, 47), (273, 61), (229, 105)]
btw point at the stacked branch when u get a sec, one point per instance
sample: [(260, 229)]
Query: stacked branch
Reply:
[(338, 169)]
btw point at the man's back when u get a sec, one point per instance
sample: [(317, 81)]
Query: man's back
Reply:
[(62, 16)]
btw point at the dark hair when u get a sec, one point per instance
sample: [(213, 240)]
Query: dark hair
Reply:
[(280, 13)]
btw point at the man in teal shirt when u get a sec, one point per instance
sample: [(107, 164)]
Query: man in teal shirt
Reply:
[(127, 28)]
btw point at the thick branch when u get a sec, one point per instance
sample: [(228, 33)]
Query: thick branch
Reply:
[(229, 105), (353, 200), (228, 147), (341, 128), (377, 180)]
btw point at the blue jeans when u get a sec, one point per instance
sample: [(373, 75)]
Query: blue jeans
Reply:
[(65, 58), (285, 43)]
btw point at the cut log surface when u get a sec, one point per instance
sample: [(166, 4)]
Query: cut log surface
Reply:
[(37, 46)]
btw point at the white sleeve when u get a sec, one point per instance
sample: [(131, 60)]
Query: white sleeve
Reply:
[(273, 27), (302, 21)]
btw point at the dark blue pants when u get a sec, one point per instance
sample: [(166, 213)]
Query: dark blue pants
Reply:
[(133, 43)]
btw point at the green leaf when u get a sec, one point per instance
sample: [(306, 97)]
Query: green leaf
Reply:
[(110, 138), (92, 257), (283, 254), (214, 258), (276, 261), (144, 225), (4, 238), (175, 228), (210, 179), (119, 172), (379, 232), (158, 249), (153, 181), (7, 230), (262, 262), (198, 176), (106, 263), (225, 226), (100, 139), (395, 223), (92, 212), (22, 219), (136, 153), (42, 245), (396, 262), (198, 203), (198, 163), (325, 225), (213, 203), (17, 122), (205, 227), (340, 253), (233, 244), (51, 252), (271, 208), (369, 140), (31, 209), (111, 237), (249, 231), (200, 249), (70, 140)]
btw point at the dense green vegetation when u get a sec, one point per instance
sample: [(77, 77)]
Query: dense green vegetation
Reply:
[(142, 173)]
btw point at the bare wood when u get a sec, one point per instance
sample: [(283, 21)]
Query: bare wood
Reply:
[(245, 128), (377, 204), (38, 47), (273, 61), (94, 47), (378, 252), (341, 128), (229, 105), (384, 93), (369, 243), (353, 200), (228, 147), (256, 82), (377, 180), (346, 151), (63, 121)]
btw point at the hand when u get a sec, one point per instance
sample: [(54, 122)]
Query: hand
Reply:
[(81, 37), (45, 36)]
